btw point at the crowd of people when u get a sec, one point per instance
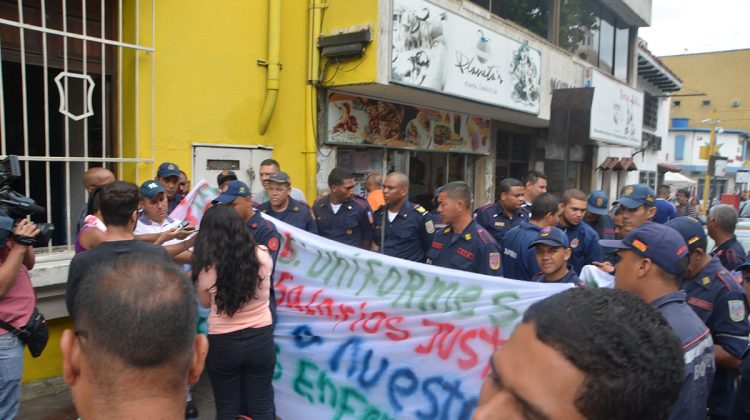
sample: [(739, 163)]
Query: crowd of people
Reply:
[(140, 279)]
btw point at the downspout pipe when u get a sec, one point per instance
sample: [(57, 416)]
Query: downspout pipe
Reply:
[(273, 64), (315, 18)]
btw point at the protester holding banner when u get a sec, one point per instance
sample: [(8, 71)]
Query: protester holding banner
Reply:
[(654, 258), (232, 275), (463, 245), (498, 218), (519, 261), (713, 293), (341, 216), (552, 255), (585, 354), (584, 241), (282, 206), (402, 229)]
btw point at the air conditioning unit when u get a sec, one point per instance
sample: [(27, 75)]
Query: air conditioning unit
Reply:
[(654, 144)]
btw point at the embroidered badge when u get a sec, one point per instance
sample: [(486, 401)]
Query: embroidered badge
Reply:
[(466, 254), (273, 244), (500, 224), (693, 240), (706, 281), (599, 202), (349, 231), (494, 260), (437, 245), (736, 310), (700, 303), (468, 236), (429, 226), (628, 190), (640, 245), (574, 243), (545, 232)]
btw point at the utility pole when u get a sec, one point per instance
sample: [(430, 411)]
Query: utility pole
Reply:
[(711, 167)]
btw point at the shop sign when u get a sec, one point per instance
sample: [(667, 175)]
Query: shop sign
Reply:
[(439, 50), (616, 111), (356, 120)]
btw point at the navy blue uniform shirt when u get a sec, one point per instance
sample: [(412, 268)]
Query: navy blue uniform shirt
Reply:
[(731, 253), (296, 214), (570, 277), (698, 348), (351, 225), (173, 202), (265, 233), (605, 228), (493, 218), (408, 236), (720, 303), (519, 262), (584, 242), (473, 250)]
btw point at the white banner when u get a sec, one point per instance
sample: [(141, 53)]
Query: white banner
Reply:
[(367, 336), (616, 111), (439, 50)]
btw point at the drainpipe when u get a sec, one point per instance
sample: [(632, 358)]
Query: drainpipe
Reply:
[(315, 17), (273, 64)]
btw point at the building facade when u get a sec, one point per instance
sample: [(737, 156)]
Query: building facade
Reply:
[(442, 90)]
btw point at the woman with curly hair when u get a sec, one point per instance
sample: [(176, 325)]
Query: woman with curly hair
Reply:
[(232, 275)]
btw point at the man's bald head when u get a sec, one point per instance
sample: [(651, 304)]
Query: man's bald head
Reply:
[(97, 177), (374, 181), (395, 190)]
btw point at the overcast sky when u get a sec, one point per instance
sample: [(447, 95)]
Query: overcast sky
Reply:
[(693, 26)]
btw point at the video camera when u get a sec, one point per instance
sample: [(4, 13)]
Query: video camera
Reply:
[(14, 206)]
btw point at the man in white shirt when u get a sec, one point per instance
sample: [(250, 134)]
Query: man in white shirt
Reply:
[(155, 225)]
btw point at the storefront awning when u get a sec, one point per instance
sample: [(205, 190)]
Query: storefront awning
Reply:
[(609, 164), (668, 167), (628, 164), (673, 178)]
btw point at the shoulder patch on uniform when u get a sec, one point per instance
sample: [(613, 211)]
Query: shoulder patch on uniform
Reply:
[(429, 227), (273, 244), (494, 260), (736, 310), (420, 209)]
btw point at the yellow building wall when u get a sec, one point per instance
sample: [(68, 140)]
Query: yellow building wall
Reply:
[(208, 87), (344, 15), (722, 76)]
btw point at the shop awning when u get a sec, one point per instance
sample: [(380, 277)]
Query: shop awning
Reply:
[(609, 164), (628, 164), (677, 178), (668, 167)]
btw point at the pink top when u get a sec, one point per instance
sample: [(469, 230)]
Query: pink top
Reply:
[(17, 304), (256, 312)]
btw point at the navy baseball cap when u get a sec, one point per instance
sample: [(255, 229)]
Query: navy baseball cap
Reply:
[(663, 245), (636, 195), (168, 169), (234, 189), (691, 231), (553, 237), (598, 203), (226, 175), (744, 266), (281, 178), (150, 188)]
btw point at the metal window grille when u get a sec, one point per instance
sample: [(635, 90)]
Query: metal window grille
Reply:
[(222, 164), (66, 69)]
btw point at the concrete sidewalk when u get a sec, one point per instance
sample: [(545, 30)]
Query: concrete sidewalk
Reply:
[(51, 400)]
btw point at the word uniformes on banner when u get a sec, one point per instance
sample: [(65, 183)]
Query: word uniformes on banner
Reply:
[(367, 336)]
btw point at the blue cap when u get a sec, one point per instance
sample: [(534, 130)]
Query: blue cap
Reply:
[(691, 231), (598, 203), (744, 266), (168, 169), (660, 243), (233, 190), (636, 195), (150, 188), (553, 237)]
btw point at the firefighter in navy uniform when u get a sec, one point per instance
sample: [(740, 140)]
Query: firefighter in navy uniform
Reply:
[(506, 213), (552, 255), (408, 227), (342, 216), (282, 206), (716, 297), (463, 245)]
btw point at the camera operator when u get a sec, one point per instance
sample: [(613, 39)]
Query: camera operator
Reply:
[(17, 302)]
